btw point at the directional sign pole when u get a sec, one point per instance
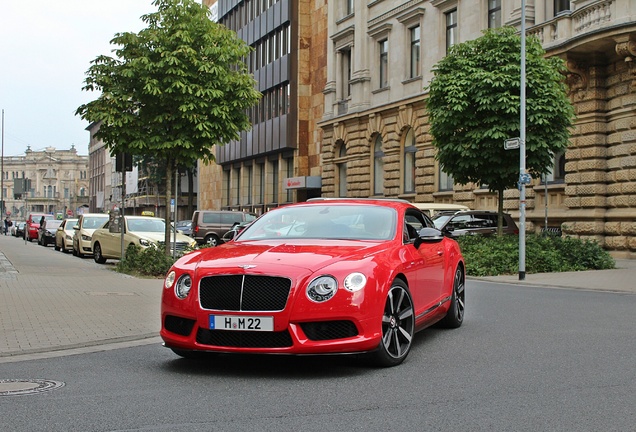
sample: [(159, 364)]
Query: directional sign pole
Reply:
[(522, 150)]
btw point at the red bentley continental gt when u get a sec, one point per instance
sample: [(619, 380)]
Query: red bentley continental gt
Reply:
[(325, 276)]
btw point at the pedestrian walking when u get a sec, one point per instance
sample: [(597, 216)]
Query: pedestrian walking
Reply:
[(7, 225)]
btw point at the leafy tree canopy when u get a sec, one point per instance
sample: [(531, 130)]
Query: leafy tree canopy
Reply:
[(474, 105), (173, 90)]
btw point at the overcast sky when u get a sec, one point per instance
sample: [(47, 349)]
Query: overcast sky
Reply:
[(45, 50)]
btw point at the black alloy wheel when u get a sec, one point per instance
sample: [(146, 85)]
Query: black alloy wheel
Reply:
[(97, 254), (455, 315), (398, 326)]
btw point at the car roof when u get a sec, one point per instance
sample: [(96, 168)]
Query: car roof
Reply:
[(385, 202)]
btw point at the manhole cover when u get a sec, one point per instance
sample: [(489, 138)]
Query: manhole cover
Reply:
[(15, 387)]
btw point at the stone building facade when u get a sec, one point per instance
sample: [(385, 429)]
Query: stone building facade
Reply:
[(278, 161), (57, 182), (375, 139)]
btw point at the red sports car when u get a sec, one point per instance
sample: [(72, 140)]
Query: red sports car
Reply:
[(321, 277)]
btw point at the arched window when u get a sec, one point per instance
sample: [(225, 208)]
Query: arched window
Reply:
[(409, 162), (557, 175), (378, 166), (341, 171)]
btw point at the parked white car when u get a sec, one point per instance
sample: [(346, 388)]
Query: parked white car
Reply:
[(143, 231)]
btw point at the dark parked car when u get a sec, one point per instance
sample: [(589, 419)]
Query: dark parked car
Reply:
[(482, 222), (185, 226), (46, 235), (17, 230)]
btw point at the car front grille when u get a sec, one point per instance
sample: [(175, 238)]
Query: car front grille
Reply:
[(244, 339), (180, 246), (244, 293), (178, 325), (327, 330)]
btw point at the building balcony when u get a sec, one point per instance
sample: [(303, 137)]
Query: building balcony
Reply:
[(585, 21)]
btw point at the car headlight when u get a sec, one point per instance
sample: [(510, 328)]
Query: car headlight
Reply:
[(322, 288), (86, 238), (355, 282), (69, 237), (183, 285), (169, 279), (144, 242)]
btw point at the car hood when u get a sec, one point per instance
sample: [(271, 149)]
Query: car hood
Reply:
[(160, 237), (310, 256)]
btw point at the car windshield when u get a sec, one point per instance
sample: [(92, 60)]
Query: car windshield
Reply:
[(146, 225), (441, 219), (336, 221), (53, 224), (69, 224), (94, 222)]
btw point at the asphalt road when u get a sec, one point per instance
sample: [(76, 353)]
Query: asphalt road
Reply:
[(526, 359)]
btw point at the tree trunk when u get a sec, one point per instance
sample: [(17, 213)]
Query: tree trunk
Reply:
[(169, 173)]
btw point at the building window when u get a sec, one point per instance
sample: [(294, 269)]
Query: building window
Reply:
[(274, 181), (341, 168), (348, 7), (409, 162), (378, 166), (494, 13), (345, 73), (261, 183), (415, 51), (249, 177), (384, 63), (445, 181), (228, 187), (561, 6), (451, 29), (557, 175)]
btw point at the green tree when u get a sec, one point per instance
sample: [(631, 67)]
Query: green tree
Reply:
[(173, 90), (474, 105)]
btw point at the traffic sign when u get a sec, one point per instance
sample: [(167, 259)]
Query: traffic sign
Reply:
[(512, 143)]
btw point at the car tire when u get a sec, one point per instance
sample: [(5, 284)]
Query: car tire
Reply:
[(211, 240), (398, 327), (97, 254), (455, 315)]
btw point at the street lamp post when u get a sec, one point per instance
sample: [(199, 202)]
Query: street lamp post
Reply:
[(522, 150)]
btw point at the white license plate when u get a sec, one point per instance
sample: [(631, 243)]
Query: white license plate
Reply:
[(246, 323)]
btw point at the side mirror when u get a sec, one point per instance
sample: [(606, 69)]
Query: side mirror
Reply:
[(428, 235)]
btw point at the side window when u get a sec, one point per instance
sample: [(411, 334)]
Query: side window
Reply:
[(459, 222), (414, 221), (211, 218)]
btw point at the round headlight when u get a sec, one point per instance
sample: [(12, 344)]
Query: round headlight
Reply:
[(170, 279), (355, 282), (182, 288), (322, 288)]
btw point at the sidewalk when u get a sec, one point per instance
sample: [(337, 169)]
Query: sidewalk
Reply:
[(52, 301), (620, 279), (53, 304)]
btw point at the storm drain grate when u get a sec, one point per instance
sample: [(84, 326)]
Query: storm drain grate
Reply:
[(16, 387)]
